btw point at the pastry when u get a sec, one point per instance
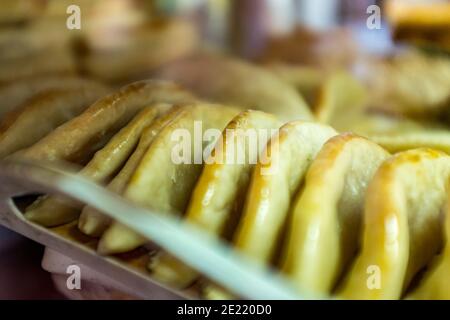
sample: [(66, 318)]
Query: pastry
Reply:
[(320, 207), (438, 139), (305, 79), (396, 86), (19, 128), (339, 96), (51, 211), (14, 94), (235, 82), (159, 182), (94, 223), (79, 138), (326, 216), (151, 46), (276, 179), (401, 230), (218, 197), (47, 61), (434, 284)]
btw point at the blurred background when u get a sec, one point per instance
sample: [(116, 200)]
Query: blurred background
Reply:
[(397, 50)]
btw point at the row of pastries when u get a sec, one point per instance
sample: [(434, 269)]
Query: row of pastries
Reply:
[(328, 205), (354, 181)]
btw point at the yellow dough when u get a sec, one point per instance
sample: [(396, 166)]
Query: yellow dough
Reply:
[(219, 194), (79, 138), (326, 216), (276, 179), (158, 182), (56, 210), (19, 128), (402, 224), (92, 222)]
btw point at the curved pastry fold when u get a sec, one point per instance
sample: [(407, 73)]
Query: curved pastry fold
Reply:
[(326, 217), (236, 82), (161, 183), (402, 224), (435, 283), (19, 128), (56, 210), (79, 138), (276, 179), (94, 223), (219, 194)]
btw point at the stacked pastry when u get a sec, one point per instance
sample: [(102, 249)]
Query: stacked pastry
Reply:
[(336, 213)]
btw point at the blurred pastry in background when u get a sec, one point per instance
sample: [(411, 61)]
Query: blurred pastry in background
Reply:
[(303, 46), (18, 11), (153, 44), (305, 79), (237, 82), (412, 84)]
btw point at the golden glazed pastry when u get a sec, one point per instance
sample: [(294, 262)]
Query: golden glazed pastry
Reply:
[(47, 61), (326, 216), (79, 138), (94, 223), (19, 128), (423, 23), (159, 182), (226, 174), (402, 224)]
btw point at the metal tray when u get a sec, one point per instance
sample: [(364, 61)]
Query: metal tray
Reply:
[(212, 257)]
